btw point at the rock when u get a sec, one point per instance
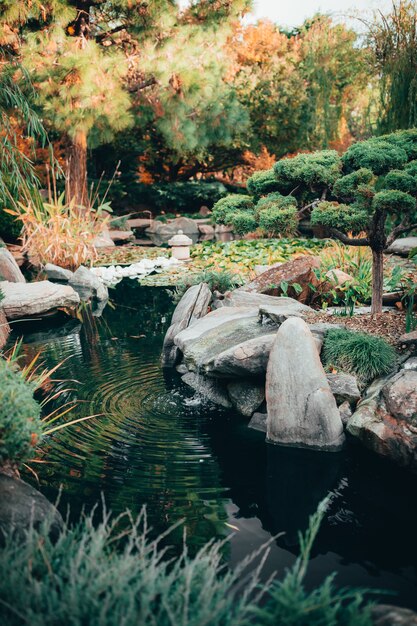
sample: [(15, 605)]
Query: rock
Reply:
[(121, 236), (139, 223), (258, 422), (246, 397), (400, 396), (88, 284), (344, 387), (9, 269), (54, 272), (408, 339), (388, 615), (22, 506), (209, 389), (278, 314), (381, 432), (206, 229), (391, 298), (345, 412), (301, 408), (339, 277), (103, 240), (220, 229), (28, 299), (204, 211), (182, 369), (4, 328), (296, 271), (186, 224), (410, 364), (402, 247), (192, 306), (239, 298), (249, 358)]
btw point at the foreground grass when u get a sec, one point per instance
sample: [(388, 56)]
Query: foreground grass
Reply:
[(108, 575)]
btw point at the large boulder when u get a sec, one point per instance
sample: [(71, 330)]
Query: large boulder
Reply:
[(344, 387), (302, 410), (209, 389), (88, 285), (186, 224), (300, 271), (400, 395), (23, 507), (403, 247), (394, 437), (192, 306), (248, 358), (389, 615), (246, 396), (57, 273), (23, 300), (9, 269), (238, 298)]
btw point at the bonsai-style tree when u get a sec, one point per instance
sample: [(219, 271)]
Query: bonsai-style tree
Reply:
[(366, 197)]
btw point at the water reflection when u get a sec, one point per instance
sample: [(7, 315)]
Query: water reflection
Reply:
[(190, 461)]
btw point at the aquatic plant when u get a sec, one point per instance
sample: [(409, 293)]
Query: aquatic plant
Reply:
[(20, 424), (112, 572), (366, 356)]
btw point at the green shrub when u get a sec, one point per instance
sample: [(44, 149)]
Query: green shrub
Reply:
[(275, 199), (404, 139), (400, 181), (86, 578), (243, 222), (262, 183), (411, 168), (316, 170), (20, 424), (394, 201), (276, 221), (346, 187), (221, 281), (226, 207), (376, 155), (342, 216), (361, 354)]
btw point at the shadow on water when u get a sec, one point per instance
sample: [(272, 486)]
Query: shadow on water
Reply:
[(154, 444)]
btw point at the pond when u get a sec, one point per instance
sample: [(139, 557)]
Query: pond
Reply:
[(153, 442)]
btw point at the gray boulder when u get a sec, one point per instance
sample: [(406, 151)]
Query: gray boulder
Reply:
[(403, 247), (192, 306), (186, 224), (248, 358), (278, 314), (28, 299), (344, 387), (302, 410), (238, 298), (246, 396), (88, 285), (388, 615), (258, 422), (9, 269), (210, 389), (400, 395), (54, 272), (411, 363), (22, 506), (345, 412)]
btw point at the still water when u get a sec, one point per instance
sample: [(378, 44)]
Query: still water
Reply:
[(154, 443)]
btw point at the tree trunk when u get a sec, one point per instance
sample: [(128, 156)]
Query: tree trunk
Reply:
[(76, 186), (377, 281)]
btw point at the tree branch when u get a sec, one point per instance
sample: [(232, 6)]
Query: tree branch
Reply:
[(398, 231), (361, 241), (110, 32)]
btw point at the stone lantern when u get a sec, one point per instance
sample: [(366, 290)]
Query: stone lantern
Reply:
[(180, 245)]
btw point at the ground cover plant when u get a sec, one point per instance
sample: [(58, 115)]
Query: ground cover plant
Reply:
[(112, 572)]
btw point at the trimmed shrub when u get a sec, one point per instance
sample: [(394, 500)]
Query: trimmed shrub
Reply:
[(275, 199), (394, 201), (86, 578), (376, 155), (225, 208), (400, 181), (315, 170), (346, 187), (243, 222), (411, 168), (342, 216), (20, 424), (361, 354), (276, 221), (404, 139), (261, 183)]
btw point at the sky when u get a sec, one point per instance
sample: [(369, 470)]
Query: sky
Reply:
[(293, 12)]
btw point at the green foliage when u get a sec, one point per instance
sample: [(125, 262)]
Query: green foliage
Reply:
[(86, 576), (394, 202), (262, 183), (340, 216), (276, 200), (217, 280), (243, 222), (225, 208), (366, 356), (346, 187), (404, 139), (186, 196), (376, 155), (401, 181), (10, 227), (411, 168), (20, 425), (314, 171), (276, 221)]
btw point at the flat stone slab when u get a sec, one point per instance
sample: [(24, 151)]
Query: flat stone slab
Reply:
[(402, 247), (121, 236), (239, 298), (278, 314), (29, 299)]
